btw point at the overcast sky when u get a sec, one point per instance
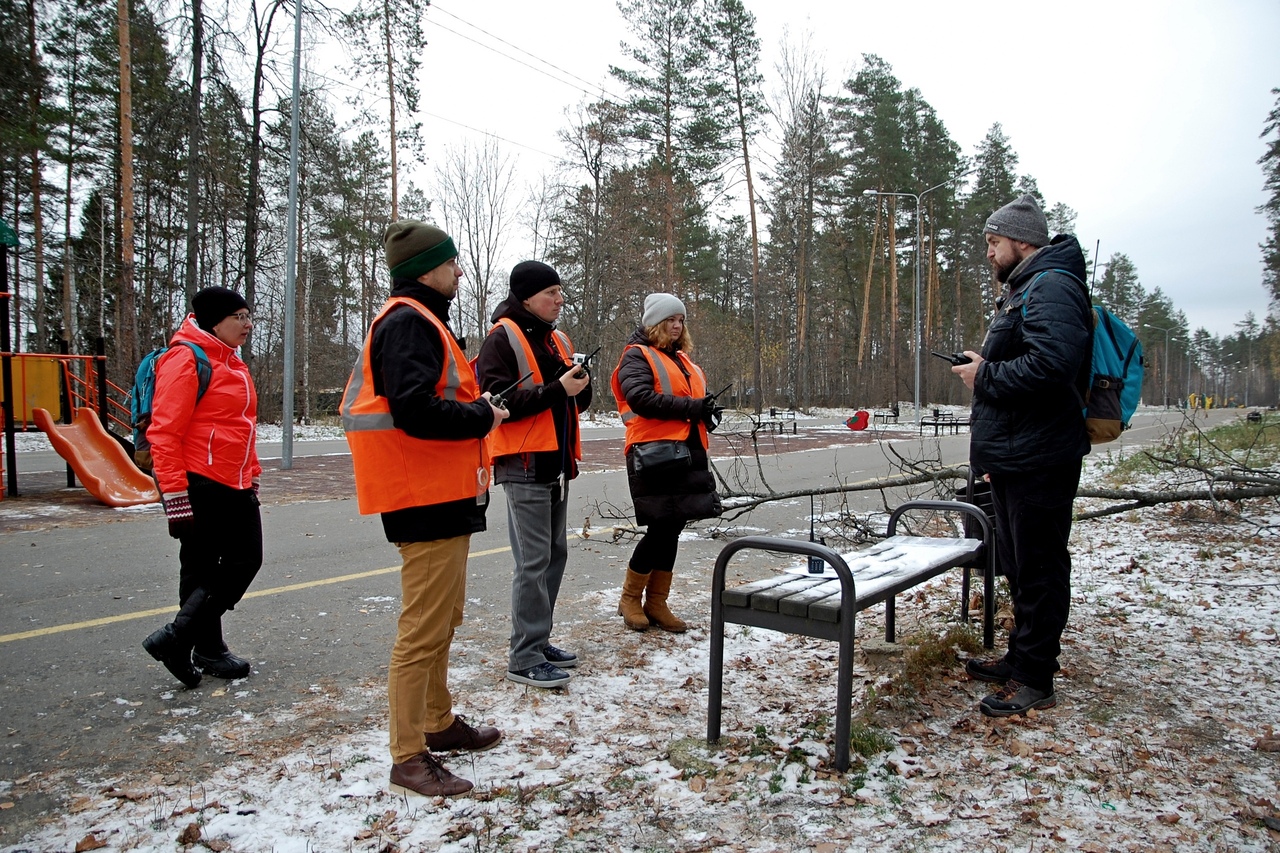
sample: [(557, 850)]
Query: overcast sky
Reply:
[(1142, 116)]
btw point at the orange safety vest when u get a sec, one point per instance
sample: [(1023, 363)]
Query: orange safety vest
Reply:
[(393, 469), (668, 378), (530, 435)]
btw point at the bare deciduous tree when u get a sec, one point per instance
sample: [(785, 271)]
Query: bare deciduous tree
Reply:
[(474, 185)]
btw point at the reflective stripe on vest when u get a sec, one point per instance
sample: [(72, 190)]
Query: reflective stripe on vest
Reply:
[(393, 469), (537, 433), (667, 379)]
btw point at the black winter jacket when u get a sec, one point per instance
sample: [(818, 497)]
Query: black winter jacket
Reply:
[(407, 358), (496, 367), (669, 497), (1027, 395)]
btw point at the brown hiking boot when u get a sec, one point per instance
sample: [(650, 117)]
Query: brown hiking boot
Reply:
[(461, 735), (425, 775), (1017, 698)]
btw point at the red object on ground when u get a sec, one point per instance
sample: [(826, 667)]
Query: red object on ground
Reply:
[(98, 459), (858, 421)]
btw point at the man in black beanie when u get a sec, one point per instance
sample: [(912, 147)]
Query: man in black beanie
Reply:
[(416, 422), (535, 455), (1028, 438)]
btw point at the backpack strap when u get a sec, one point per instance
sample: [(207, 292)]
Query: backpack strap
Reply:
[(1026, 298), (204, 370)]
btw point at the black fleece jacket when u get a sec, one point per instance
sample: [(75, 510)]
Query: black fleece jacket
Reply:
[(408, 356), (497, 369), (1027, 395)]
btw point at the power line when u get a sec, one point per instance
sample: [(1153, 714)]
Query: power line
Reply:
[(348, 84), (592, 92)]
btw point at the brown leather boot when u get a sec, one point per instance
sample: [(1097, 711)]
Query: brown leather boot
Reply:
[(655, 604), (424, 774), (629, 608)]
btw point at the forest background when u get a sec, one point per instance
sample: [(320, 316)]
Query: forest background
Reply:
[(697, 170)]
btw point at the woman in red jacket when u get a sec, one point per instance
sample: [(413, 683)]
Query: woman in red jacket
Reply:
[(207, 466)]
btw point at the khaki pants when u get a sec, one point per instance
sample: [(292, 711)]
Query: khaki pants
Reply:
[(433, 584)]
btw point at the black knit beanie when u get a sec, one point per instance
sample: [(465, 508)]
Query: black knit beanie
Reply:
[(215, 304), (413, 248), (529, 278), (1021, 220)]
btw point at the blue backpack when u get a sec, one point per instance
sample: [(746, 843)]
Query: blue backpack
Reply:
[(141, 396), (1115, 373)]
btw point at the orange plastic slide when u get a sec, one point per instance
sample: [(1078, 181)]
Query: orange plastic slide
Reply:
[(98, 459)]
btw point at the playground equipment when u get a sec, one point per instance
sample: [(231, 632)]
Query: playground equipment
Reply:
[(51, 387), (99, 459)]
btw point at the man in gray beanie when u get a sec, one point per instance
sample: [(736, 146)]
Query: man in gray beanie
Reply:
[(416, 422), (1027, 438)]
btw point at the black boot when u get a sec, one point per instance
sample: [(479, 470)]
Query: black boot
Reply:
[(211, 655), (172, 644)]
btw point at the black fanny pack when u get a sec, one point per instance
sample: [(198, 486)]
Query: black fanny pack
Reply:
[(660, 457)]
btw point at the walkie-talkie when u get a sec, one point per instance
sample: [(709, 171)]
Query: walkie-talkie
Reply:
[(585, 360), (497, 401), (816, 564)]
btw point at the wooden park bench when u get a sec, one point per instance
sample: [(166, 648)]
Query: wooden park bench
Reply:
[(824, 607)]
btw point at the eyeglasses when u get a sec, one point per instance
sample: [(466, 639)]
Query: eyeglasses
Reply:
[(244, 317)]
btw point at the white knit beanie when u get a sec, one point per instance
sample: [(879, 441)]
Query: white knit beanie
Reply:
[(660, 306)]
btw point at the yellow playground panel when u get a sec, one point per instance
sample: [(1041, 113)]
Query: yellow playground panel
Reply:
[(37, 384)]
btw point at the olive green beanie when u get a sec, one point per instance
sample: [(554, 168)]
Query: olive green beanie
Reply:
[(413, 248)]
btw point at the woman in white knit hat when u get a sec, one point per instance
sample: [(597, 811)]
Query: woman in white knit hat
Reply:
[(663, 398)]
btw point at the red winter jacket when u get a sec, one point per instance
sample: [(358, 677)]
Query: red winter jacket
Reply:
[(214, 438)]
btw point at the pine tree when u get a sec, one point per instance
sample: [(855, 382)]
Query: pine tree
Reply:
[(1270, 162), (670, 113), (387, 41), (736, 75)]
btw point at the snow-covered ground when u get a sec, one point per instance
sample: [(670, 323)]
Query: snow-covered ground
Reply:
[(1164, 737)]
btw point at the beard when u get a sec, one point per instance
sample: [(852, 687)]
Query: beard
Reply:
[(1003, 271)]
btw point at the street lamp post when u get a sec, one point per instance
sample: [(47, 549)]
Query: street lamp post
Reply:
[(1166, 357), (919, 245)]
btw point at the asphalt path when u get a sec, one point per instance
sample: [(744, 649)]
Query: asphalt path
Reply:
[(82, 703)]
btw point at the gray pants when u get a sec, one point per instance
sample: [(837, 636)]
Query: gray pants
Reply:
[(536, 516)]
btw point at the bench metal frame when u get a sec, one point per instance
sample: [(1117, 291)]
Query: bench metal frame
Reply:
[(843, 629)]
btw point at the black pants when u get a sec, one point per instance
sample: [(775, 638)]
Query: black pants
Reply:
[(656, 550), (1033, 523), (224, 552)]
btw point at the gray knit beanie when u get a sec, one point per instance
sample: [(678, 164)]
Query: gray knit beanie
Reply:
[(1021, 220), (658, 307)]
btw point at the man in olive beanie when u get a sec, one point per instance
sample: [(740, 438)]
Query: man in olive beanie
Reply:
[(413, 248), (416, 422), (1027, 437)]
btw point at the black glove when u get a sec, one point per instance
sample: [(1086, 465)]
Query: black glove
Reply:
[(708, 408), (177, 510), (714, 421)]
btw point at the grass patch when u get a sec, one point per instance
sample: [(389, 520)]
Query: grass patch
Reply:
[(929, 655), (868, 741), (690, 755), (1240, 442)]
